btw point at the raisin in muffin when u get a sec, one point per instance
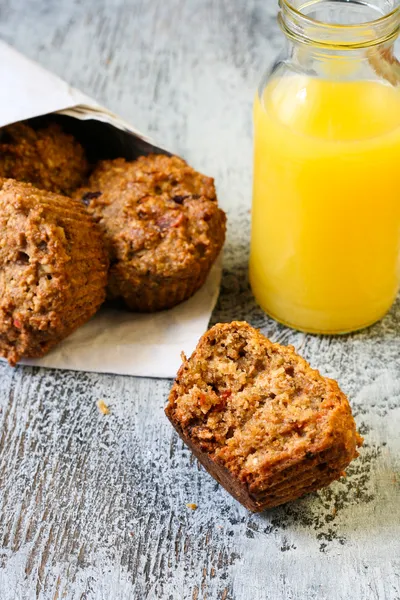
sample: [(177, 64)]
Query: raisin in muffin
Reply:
[(162, 226), (53, 269), (265, 424), (47, 157)]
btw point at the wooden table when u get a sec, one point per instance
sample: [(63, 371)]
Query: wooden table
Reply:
[(93, 507)]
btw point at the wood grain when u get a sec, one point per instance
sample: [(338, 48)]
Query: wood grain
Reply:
[(93, 506)]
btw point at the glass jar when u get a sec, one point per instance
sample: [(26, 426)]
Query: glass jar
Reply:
[(325, 242)]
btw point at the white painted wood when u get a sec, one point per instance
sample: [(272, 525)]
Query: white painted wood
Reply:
[(93, 507)]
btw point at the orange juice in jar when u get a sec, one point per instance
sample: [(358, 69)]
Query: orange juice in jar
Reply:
[(325, 243)]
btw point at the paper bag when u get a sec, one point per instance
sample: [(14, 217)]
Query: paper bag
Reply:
[(114, 341)]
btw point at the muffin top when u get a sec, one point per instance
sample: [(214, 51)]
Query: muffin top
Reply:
[(158, 214), (47, 157)]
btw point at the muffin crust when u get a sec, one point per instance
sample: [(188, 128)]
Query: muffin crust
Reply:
[(47, 157), (53, 269), (162, 226), (265, 424)]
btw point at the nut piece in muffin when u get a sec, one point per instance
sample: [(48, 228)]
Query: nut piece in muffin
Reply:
[(53, 269), (162, 226), (47, 157), (265, 424)]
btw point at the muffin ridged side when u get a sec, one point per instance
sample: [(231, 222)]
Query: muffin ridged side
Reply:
[(53, 269), (162, 226)]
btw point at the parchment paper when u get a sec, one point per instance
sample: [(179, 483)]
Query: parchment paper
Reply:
[(114, 341)]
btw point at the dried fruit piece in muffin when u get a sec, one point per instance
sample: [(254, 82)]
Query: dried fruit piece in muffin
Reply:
[(47, 157), (53, 269), (162, 226), (265, 424)]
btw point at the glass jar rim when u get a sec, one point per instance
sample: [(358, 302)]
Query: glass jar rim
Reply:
[(301, 27), (315, 22)]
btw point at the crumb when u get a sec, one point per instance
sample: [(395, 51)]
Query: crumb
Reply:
[(265, 424), (192, 506), (103, 408)]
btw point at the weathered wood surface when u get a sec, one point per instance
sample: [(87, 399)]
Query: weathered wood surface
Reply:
[(94, 507)]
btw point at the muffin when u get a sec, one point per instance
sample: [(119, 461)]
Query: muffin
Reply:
[(265, 424), (162, 226), (47, 157), (53, 269)]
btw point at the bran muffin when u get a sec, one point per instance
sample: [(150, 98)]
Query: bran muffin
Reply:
[(265, 424), (53, 269), (47, 157), (162, 226)]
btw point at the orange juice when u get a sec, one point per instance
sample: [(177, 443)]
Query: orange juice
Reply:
[(325, 247)]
